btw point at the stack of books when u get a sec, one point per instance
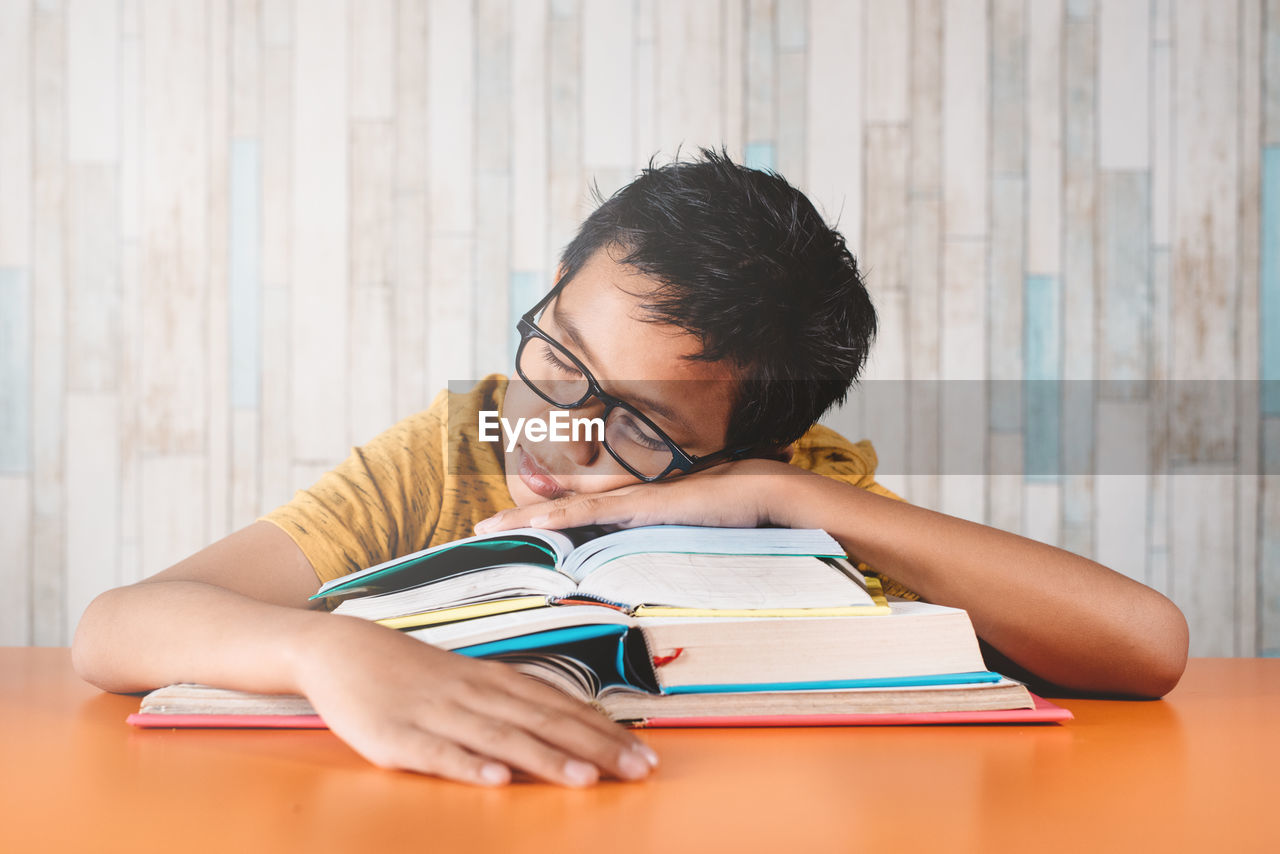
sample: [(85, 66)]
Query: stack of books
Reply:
[(666, 626)]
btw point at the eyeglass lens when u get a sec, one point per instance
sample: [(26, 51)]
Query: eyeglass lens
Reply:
[(562, 382)]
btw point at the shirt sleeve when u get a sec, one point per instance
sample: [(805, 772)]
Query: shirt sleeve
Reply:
[(382, 501), (824, 451)]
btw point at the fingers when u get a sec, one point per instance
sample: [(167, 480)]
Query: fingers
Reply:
[(573, 729), (570, 511), (561, 752), (428, 753)]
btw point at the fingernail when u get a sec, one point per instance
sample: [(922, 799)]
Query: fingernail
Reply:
[(580, 773), (647, 752), (538, 521), (632, 765), (484, 525), (493, 774)]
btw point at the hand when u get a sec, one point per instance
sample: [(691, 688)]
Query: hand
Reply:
[(742, 494), (404, 704)]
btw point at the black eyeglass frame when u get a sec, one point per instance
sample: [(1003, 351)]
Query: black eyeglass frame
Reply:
[(681, 460)]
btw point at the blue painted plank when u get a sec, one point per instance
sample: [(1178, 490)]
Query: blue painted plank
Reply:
[(1268, 588), (1270, 280), (759, 155), (1042, 354), (524, 291), (244, 296), (15, 371)]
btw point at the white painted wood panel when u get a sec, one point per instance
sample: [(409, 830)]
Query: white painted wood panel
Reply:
[(48, 358), (1005, 482), (320, 185), (217, 329), (372, 80), (93, 67), (1079, 47), (93, 278), (1124, 84), (15, 573), (246, 68), (887, 39), (93, 489), (529, 128), (491, 334), (607, 45), (789, 153), (277, 481), (370, 404), (1042, 512), (1202, 557), (1122, 487), (173, 503), (15, 134), (965, 105), (1044, 137), (761, 72), (732, 65), (1161, 142), (1248, 343), (245, 477), (926, 97), (644, 86), (1008, 87), (833, 130), (1204, 263), (689, 64), (962, 461), (423, 163), (174, 226)]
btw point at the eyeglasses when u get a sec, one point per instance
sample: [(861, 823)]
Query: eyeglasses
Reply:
[(630, 437)]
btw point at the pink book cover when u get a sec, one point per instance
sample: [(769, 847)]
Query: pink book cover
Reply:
[(1044, 712)]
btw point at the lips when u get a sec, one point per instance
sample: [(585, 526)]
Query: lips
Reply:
[(535, 476)]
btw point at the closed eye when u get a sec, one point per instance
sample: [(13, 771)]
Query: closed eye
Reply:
[(549, 356)]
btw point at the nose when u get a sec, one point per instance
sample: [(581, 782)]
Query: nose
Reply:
[(586, 449)]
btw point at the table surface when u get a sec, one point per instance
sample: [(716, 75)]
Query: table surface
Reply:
[(1199, 770)]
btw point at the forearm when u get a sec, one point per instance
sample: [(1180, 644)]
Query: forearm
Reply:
[(1063, 617), (146, 635)]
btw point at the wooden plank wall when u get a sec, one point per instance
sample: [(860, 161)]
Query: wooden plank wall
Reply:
[(239, 236)]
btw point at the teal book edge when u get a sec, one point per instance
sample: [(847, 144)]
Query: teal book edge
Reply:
[(974, 677), (541, 640)]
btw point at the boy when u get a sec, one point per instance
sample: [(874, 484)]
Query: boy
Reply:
[(706, 317)]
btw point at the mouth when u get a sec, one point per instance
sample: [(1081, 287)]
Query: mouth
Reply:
[(534, 475)]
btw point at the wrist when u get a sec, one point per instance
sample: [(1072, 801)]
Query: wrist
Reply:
[(311, 641), (788, 500)]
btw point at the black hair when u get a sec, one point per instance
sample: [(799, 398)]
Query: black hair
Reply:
[(744, 262)]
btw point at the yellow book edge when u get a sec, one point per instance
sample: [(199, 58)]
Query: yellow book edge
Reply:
[(524, 603), (464, 612)]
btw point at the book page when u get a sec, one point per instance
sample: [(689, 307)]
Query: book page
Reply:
[(455, 558), (680, 539), (746, 582)]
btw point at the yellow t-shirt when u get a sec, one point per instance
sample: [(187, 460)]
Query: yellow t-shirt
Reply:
[(429, 479)]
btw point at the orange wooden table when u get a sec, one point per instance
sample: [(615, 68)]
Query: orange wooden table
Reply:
[(1198, 771)]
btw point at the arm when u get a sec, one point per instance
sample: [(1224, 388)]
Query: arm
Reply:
[(1062, 617), (234, 615)]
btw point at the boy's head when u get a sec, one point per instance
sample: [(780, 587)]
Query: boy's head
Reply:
[(716, 292)]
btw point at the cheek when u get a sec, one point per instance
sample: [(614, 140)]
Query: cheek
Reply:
[(521, 402)]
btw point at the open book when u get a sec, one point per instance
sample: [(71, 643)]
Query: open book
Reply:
[(920, 664), (666, 625), (660, 570)]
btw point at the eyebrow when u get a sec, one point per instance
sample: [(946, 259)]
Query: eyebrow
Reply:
[(647, 405)]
